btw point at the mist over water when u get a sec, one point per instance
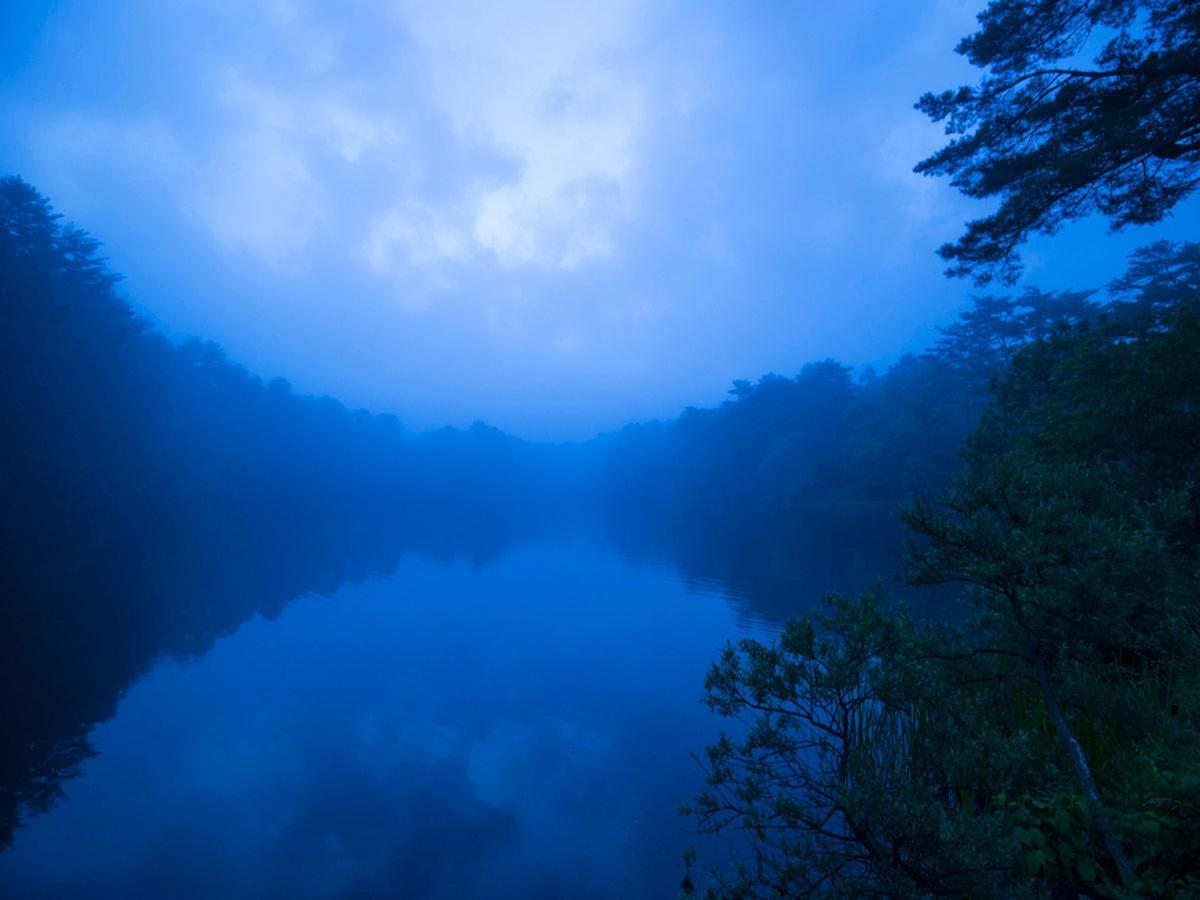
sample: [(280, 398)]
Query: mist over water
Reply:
[(256, 643), (509, 713), (501, 448), (444, 730)]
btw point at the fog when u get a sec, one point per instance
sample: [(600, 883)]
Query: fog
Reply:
[(623, 449), (555, 219)]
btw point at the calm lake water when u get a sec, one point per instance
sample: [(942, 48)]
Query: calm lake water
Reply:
[(514, 727)]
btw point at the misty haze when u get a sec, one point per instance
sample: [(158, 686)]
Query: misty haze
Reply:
[(616, 450)]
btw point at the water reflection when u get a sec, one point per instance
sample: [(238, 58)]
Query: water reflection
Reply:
[(82, 615), (519, 730), (503, 714), (771, 576)]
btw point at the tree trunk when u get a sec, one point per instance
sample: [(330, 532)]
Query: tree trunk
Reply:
[(1084, 771)]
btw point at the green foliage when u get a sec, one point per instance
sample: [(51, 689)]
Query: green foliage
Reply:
[(847, 778), (1050, 842), (1050, 745)]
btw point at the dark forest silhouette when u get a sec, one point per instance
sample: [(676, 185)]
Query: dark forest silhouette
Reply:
[(1030, 730), (1046, 745), (156, 496)]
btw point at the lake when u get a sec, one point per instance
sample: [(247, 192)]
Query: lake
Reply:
[(516, 723)]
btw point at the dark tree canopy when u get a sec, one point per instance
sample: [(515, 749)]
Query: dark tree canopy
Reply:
[(1056, 138), (1046, 745), (154, 496), (1161, 274)]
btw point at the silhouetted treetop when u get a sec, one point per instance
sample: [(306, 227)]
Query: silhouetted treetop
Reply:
[(984, 339), (1056, 138), (155, 495), (1161, 274)]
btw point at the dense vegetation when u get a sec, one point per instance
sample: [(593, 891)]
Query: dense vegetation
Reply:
[(823, 446), (127, 474), (1048, 745), (153, 496), (105, 415), (795, 482), (1041, 740)]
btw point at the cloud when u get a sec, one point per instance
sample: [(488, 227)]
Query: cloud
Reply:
[(544, 114), (531, 212), (418, 138), (424, 235), (551, 90), (270, 180)]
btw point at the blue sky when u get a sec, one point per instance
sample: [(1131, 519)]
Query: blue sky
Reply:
[(556, 217)]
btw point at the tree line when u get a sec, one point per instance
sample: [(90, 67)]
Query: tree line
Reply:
[(154, 496), (1046, 746), (825, 446)]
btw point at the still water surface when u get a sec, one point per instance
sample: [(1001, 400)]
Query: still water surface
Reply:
[(453, 729)]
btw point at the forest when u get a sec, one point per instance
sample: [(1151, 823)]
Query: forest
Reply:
[(999, 693), (1071, 513), (1046, 745), (1028, 747), (155, 495)]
